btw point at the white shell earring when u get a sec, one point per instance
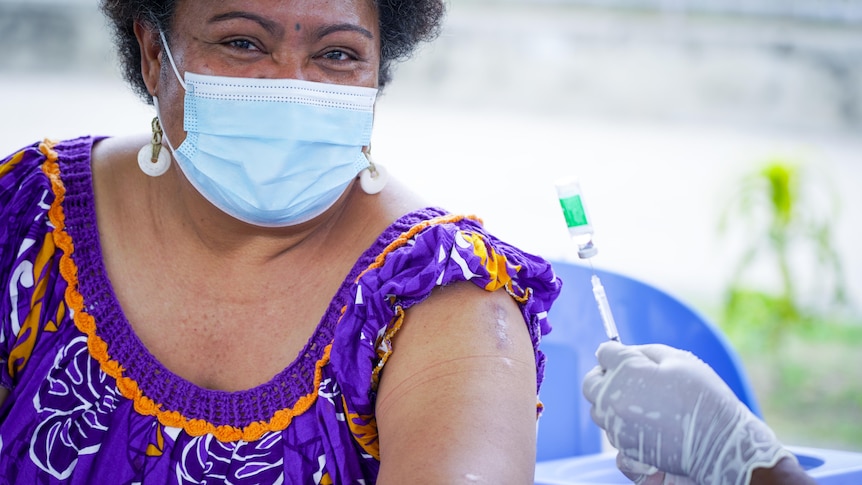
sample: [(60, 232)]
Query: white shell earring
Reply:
[(151, 158), (373, 178)]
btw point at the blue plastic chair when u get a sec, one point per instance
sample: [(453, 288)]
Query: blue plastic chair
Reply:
[(644, 314), (569, 443)]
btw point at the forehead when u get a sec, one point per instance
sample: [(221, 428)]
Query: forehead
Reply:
[(287, 13)]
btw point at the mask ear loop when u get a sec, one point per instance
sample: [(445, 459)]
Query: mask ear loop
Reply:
[(373, 178), (171, 59)]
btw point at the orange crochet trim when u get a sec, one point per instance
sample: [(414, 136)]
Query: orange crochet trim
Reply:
[(98, 348), (384, 348), (403, 238), (510, 289)]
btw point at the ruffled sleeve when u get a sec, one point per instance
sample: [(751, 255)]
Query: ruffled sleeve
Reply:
[(26, 250), (432, 253)]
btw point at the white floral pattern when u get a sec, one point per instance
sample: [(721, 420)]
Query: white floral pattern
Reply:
[(69, 431)]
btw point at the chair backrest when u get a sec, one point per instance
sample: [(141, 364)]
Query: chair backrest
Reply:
[(643, 314)]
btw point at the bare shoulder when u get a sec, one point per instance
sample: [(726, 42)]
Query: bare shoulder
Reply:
[(366, 216), (118, 183), (113, 150), (393, 201), (116, 176)]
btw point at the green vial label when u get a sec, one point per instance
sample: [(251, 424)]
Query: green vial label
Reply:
[(573, 209)]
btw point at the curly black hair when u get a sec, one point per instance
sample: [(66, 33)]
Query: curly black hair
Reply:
[(403, 25)]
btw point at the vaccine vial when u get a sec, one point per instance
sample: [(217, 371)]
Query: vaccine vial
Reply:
[(577, 218)]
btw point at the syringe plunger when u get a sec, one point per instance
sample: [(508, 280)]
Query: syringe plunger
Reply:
[(605, 309)]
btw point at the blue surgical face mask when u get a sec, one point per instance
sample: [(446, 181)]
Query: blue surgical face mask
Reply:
[(272, 152)]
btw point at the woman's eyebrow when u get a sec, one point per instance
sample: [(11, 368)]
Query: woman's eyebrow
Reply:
[(273, 28), (329, 29)]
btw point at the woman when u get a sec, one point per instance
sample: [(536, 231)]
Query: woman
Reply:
[(168, 313)]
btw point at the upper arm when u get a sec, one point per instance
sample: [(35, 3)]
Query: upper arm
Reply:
[(457, 399)]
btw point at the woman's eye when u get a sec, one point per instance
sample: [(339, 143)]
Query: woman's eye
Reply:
[(337, 55), (242, 44)]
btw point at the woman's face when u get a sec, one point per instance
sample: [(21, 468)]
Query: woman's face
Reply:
[(330, 41), (334, 41)]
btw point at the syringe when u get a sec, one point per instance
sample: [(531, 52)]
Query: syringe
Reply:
[(605, 309), (581, 231)]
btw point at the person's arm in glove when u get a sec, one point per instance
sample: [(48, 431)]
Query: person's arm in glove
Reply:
[(663, 407)]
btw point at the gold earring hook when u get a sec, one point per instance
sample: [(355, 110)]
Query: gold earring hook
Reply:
[(156, 142)]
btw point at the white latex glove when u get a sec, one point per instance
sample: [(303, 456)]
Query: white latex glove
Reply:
[(664, 407)]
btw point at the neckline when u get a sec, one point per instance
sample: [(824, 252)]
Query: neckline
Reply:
[(155, 390)]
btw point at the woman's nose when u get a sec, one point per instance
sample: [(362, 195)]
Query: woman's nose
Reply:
[(288, 64)]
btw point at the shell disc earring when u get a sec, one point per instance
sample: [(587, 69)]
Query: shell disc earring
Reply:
[(373, 178), (152, 160)]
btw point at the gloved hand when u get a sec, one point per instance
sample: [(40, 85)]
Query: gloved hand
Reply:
[(664, 407)]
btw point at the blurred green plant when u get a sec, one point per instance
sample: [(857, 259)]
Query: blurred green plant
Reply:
[(784, 218), (814, 374)]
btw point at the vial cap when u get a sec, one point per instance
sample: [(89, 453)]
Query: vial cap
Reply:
[(587, 251)]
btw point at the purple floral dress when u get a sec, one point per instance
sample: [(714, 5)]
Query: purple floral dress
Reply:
[(89, 404)]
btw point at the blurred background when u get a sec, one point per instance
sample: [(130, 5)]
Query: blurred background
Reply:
[(718, 145)]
